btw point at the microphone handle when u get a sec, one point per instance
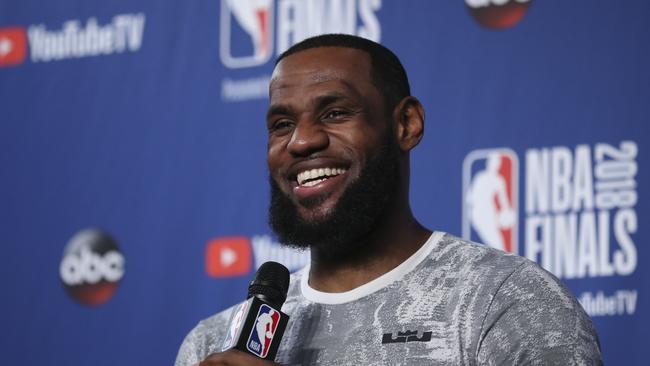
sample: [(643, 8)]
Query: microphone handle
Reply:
[(256, 327)]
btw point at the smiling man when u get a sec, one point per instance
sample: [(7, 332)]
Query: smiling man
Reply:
[(381, 288)]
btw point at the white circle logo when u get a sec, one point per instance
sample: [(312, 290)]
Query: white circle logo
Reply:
[(92, 266)]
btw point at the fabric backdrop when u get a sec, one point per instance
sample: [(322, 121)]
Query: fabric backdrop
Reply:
[(133, 181)]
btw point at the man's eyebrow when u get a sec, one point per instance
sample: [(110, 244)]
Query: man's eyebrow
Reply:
[(323, 101), (319, 103), (276, 109)]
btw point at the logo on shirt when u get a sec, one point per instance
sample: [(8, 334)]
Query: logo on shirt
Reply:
[(263, 331), (498, 14), (406, 337), (13, 46), (490, 212)]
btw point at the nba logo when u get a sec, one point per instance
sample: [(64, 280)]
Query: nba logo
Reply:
[(490, 198), (246, 32), (235, 324), (263, 331)]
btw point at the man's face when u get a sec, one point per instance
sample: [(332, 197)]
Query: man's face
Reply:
[(328, 129)]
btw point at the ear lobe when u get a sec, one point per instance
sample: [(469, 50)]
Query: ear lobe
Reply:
[(409, 119)]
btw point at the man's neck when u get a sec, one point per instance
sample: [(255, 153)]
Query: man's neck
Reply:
[(386, 248)]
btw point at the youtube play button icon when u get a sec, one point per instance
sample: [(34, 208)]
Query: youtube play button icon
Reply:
[(228, 257), (13, 46)]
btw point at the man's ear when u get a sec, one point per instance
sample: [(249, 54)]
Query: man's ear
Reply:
[(408, 116)]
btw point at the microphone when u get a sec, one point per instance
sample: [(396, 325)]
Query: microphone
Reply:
[(257, 325)]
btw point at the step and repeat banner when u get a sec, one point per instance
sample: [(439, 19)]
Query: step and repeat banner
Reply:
[(134, 188)]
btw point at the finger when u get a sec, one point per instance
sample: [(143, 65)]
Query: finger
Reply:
[(233, 357)]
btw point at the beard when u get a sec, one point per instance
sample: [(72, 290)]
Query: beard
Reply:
[(360, 209)]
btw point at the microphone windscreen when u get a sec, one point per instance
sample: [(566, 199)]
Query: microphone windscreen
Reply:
[(271, 283)]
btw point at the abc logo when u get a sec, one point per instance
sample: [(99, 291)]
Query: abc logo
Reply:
[(498, 14), (92, 267)]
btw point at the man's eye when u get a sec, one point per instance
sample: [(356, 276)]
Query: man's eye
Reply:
[(281, 125), (335, 114)]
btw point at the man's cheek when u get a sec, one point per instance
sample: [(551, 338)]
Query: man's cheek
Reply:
[(279, 182), (274, 149), (275, 168)]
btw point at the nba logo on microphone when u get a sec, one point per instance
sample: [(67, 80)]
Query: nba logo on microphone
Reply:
[(246, 33), (490, 198), (263, 331), (235, 325)]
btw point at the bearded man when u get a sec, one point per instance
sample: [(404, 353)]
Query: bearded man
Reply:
[(381, 289)]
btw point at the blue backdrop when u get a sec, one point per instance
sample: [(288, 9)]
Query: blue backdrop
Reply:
[(133, 187)]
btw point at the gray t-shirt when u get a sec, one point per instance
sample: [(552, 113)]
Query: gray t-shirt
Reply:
[(451, 303)]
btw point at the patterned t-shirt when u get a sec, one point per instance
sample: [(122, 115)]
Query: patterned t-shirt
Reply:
[(451, 303)]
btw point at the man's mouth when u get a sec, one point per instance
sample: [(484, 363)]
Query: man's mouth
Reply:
[(312, 177)]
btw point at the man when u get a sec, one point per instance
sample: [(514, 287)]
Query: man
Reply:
[(381, 288)]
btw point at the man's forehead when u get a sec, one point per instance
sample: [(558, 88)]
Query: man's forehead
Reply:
[(322, 62), (348, 66), (309, 77)]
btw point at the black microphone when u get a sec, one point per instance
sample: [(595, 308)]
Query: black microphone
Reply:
[(257, 325)]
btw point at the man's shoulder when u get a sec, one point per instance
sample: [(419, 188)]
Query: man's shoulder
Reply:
[(477, 268), (457, 255), (204, 338), (521, 308), (475, 259)]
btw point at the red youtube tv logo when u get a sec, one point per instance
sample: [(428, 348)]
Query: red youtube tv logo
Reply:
[(13, 46), (228, 257)]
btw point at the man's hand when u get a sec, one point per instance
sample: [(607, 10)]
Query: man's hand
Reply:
[(233, 357)]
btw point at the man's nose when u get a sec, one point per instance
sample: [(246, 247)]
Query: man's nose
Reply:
[(308, 137)]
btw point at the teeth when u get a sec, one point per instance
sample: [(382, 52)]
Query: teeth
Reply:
[(315, 176), (312, 183)]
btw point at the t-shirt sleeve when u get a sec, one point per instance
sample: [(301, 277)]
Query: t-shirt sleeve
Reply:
[(193, 348), (533, 319), (205, 339)]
